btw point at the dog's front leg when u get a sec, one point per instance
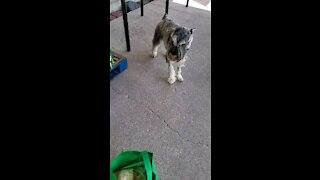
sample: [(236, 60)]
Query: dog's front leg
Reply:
[(179, 75), (172, 73), (180, 65)]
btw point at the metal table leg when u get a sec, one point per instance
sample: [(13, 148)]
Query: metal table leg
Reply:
[(125, 23), (141, 5), (187, 3), (167, 6)]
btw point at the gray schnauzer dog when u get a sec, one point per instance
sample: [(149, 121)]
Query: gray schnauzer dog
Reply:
[(177, 41)]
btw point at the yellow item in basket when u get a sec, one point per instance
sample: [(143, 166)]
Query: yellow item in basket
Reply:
[(126, 174)]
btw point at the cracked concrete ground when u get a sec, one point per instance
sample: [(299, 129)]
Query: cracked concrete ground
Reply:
[(146, 113)]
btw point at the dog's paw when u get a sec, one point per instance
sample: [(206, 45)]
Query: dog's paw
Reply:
[(154, 54), (179, 77), (172, 79)]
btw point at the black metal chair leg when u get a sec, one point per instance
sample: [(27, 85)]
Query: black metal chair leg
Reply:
[(187, 3), (167, 6), (141, 4), (125, 23)]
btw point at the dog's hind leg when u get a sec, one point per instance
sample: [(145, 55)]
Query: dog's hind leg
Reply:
[(156, 41)]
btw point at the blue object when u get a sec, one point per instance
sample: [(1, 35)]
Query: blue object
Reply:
[(118, 68)]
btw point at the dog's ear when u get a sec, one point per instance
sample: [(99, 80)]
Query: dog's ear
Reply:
[(192, 30)]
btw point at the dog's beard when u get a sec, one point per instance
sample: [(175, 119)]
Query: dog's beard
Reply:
[(172, 57)]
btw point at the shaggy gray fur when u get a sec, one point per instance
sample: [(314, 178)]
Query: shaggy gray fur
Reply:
[(177, 39)]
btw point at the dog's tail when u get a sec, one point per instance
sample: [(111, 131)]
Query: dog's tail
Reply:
[(165, 16)]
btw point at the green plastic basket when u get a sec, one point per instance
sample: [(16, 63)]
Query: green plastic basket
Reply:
[(139, 162)]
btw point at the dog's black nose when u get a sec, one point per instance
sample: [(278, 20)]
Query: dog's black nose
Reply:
[(174, 51)]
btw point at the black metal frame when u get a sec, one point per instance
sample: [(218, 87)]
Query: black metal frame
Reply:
[(141, 5), (125, 23), (125, 18), (167, 6)]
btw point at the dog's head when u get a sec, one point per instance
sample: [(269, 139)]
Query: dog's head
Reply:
[(179, 43)]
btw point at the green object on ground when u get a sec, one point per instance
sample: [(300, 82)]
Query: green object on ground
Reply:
[(111, 60), (140, 164)]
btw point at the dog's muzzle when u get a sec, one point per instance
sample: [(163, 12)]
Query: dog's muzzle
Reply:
[(172, 57)]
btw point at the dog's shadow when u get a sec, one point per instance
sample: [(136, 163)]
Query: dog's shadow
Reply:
[(144, 56), (146, 59)]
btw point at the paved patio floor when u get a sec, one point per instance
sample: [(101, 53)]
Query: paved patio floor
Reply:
[(147, 113)]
